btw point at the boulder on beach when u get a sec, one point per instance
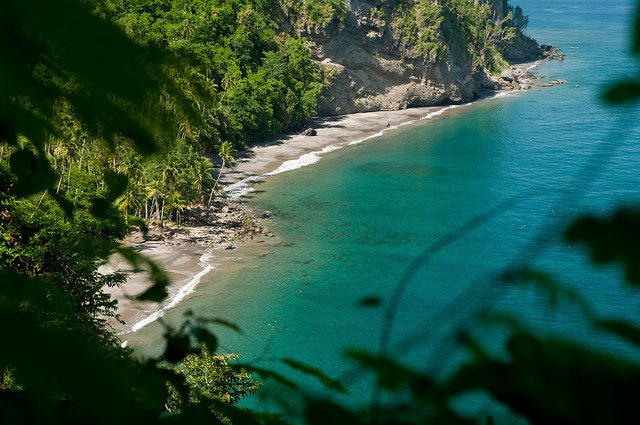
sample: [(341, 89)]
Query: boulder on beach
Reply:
[(310, 132)]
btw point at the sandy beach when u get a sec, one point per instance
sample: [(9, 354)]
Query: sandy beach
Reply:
[(190, 254), (295, 150)]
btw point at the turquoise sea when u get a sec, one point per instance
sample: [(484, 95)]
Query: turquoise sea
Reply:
[(441, 209)]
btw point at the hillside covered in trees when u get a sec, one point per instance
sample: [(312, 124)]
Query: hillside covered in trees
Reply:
[(251, 70)]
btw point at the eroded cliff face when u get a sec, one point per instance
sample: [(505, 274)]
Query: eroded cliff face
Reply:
[(369, 67)]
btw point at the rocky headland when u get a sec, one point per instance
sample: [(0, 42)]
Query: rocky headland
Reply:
[(372, 61)]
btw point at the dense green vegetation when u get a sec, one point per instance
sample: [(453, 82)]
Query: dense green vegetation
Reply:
[(425, 29), (263, 81), (242, 78), (69, 116), (309, 15), (418, 25), (209, 376), (84, 132), (485, 35)]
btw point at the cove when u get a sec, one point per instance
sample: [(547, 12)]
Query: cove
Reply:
[(358, 222)]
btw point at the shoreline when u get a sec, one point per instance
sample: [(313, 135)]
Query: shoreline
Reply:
[(187, 254), (196, 252), (292, 151)]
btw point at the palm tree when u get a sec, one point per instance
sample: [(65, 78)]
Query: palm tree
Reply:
[(177, 204), (126, 201), (202, 176), (226, 153), (154, 193)]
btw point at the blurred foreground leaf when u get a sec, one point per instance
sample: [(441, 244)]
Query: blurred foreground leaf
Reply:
[(626, 92), (329, 383), (613, 239), (556, 381)]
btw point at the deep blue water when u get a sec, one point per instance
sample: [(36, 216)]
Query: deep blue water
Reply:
[(357, 222)]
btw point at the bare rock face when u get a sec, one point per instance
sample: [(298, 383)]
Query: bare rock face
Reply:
[(369, 72), (369, 69)]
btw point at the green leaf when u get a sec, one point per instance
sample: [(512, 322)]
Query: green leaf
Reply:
[(178, 346), (391, 375), (100, 207), (371, 301), (198, 414), (326, 412), (202, 335), (117, 184), (156, 293), (624, 92), (624, 330), (266, 374), (549, 285), (137, 221), (178, 381), (33, 173), (65, 204), (329, 383), (613, 239), (555, 381), (234, 414)]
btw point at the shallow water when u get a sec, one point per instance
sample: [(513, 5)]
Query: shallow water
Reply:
[(400, 210)]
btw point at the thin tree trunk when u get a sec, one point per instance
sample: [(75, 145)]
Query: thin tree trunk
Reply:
[(157, 201), (59, 183), (162, 215), (215, 184), (211, 196), (69, 179), (219, 173), (39, 202)]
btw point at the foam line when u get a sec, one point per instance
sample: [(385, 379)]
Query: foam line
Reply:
[(147, 320), (303, 161), (238, 190), (185, 290), (188, 288)]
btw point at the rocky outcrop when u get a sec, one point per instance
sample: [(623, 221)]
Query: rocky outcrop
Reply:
[(368, 68), (522, 50), (551, 53)]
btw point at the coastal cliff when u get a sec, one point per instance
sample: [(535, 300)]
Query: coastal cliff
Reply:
[(394, 54)]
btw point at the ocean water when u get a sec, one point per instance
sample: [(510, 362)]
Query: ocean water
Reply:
[(427, 217)]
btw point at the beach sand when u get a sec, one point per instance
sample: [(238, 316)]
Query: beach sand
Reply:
[(187, 262), (180, 262), (294, 150)]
